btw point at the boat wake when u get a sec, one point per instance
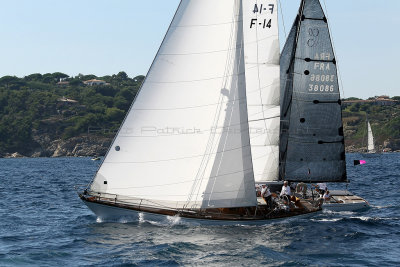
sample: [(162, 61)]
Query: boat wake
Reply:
[(382, 207), (122, 220), (344, 213), (327, 220)]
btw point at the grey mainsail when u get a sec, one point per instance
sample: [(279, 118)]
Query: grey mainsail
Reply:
[(312, 139)]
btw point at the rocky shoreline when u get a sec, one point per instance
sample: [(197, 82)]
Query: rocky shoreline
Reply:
[(92, 146), (83, 146)]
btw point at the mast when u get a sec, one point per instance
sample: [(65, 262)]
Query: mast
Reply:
[(312, 139), (287, 72)]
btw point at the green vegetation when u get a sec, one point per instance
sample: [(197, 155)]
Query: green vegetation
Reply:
[(384, 119), (60, 106), (55, 106)]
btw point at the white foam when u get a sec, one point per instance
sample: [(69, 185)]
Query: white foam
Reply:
[(174, 220), (338, 212), (382, 207), (141, 217), (327, 220)]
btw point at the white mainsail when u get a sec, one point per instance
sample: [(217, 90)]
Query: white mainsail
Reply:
[(371, 146), (263, 86), (185, 141)]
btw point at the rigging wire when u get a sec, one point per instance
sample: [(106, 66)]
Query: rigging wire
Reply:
[(334, 51), (210, 145), (233, 59), (283, 20)]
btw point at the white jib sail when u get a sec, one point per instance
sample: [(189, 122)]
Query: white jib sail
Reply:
[(185, 142), (371, 146), (263, 85)]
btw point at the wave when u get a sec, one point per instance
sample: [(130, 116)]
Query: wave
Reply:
[(382, 207), (338, 212), (327, 220), (368, 219)]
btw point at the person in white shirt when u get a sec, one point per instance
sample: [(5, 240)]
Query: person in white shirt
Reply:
[(322, 188), (327, 196), (286, 190), (266, 194)]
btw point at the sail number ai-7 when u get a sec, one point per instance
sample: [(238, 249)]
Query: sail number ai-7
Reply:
[(259, 10)]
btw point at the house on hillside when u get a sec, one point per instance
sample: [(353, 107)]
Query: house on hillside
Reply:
[(385, 101), (94, 82)]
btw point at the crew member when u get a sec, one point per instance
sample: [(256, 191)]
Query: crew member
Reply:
[(285, 191), (266, 195)]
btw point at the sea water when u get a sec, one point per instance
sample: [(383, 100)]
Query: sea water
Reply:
[(44, 223)]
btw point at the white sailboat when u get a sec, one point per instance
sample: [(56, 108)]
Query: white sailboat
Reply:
[(205, 124), (370, 150), (370, 140), (370, 145)]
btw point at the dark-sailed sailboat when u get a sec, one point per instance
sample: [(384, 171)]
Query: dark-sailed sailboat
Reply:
[(312, 146)]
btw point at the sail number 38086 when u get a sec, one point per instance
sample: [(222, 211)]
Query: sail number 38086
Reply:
[(320, 88)]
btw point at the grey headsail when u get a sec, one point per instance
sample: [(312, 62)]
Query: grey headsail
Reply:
[(312, 139)]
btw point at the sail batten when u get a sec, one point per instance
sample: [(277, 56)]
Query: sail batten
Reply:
[(312, 140)]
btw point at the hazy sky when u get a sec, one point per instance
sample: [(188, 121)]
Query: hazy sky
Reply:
[(106, 36)]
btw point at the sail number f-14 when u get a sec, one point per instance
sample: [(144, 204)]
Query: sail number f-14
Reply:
[(260, 9)]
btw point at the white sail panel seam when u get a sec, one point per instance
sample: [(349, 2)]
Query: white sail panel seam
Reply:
[(213, 104), (198, 80), (173, 159), (216, 51)]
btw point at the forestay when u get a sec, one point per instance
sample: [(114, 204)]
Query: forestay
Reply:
[(185, 141), (312, 140), (262, 83)]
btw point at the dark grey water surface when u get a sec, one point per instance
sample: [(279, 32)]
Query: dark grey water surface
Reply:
[(43, 223)]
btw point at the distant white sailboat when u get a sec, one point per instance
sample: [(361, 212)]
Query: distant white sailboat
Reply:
[(370, 149), (370, 141)]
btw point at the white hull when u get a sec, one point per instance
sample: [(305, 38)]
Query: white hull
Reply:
[(345, 201), (345, 206), (105, 212)]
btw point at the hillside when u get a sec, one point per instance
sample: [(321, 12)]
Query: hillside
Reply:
[(57, 115), (385, 124), (54, 114)]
